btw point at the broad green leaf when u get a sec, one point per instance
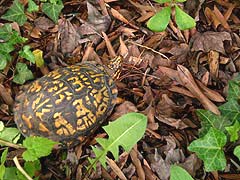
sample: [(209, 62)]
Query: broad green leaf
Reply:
[(183, 20), (126, 131), (181, 1), (2, 171), (23, 75), (3, 63), (5, 30), (4, 156), (32, 6), (11, 173), (9, 134), (38, 54), (177, 172), (234, 88), (6, 48), (1, 126), (233, 131), (16, 13), (162, 1), (160, 20), (2, 166), (236, 151), (27, 54), (37, 147), (16, 38), (231, 110), (209, 119), (210, 149), (31, 167), (52, 10)]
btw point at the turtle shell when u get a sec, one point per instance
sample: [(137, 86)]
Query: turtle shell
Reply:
[(67, 103)]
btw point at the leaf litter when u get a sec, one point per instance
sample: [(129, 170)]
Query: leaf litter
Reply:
[(166, 76)]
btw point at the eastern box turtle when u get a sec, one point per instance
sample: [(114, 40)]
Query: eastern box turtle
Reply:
[(67, 103)]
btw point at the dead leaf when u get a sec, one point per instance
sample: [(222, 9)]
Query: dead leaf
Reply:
[(95, 25), (213, 61), (188, 81), (43, 24), (210, 41)]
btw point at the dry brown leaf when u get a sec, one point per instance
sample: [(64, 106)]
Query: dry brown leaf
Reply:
[(181, 90), (6, 96), (120, 17), (177, 123), (211, 17), (213, 61), (211, 94), (188, 81), (221, 18), (134, 156), (95, 25), (116, 169), (43, 24), (68, 36), (111, 51), (210, 41)]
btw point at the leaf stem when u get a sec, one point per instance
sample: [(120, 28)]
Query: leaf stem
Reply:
[(19, 167), (9, 144)]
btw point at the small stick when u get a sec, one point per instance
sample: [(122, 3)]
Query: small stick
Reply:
[(150, 49), (19, 167)]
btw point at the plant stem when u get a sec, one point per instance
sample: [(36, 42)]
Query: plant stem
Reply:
[(9, 144), (19, 167)]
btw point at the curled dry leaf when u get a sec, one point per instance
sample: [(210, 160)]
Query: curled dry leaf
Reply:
[(213, 61), (177, 123), (68, 36), (43, 24), (188, 81), (124, 108), (116, 169), (210, 41), (95, 25)]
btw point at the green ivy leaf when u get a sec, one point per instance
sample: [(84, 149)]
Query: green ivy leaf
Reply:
[(234, 89), (125, 132), (183, 20), (209, 119), (231, 110), (32, 6), (236, 151), (210, 149), (37, 147), (3, 63), (177, 172), (15, 38), (160, 20), (27, 54), (5, 30), (233, 131), (10, 134), (52, 10), (23, 75), (16, 13)]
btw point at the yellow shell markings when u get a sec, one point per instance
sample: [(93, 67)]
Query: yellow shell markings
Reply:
[(66, 103)]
